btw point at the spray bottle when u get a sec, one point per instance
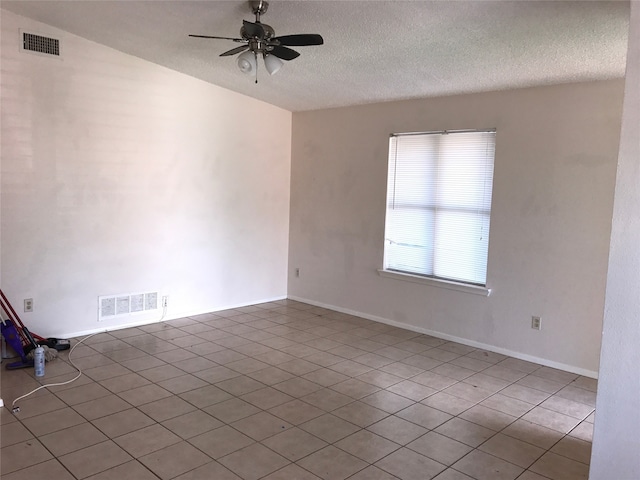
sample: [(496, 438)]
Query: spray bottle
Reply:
[(38, 361)]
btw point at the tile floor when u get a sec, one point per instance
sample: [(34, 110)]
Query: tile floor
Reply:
[(286, 390)]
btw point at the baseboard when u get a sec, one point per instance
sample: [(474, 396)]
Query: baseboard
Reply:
[(166, 318), (452, 338)]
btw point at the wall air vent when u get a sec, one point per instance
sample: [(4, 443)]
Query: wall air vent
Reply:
[(40, 44)]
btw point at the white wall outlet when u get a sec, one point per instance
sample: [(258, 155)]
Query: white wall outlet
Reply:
[(536, 323), (165, 301), (28, 305), (297, 272)]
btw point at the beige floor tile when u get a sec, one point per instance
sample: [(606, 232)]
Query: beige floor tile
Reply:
[(240, 385), (439, 448), (469, 392), (182, 384), (253, 462), (142, 363), (166, 408), (533, 433), (72, 439), (372, 473), (132, 470), (123, 422), (329, 428), (453, 371), (195, 364), (291, 472), (13, 433), (327, 399), (379, 378), (448, 403), (141, 395), (266, 398), (555, 375), (95, 459), (48, 469), (465, 432), (231, 410), (529, 475), (261, 425), (192, 424), (548, 386), (331, 463), (294, 444), (584, 431), (101, 407), (424, 416), (433, 380), (550, 419), (508, 405), (216, 374), (512, 450), (526, 394), (412, 390), (325, 377), (574, 448), (221, 441), (209, 471), (520, 365), (296, 412), (409, 465), (360, 414), (106, 371), (34, 406), (22, 455), (124, 382), (451, 474), (567, 407), (298, 366), (397, 430), (247, 365), (175, 460), (297, 387), (367, 446), (488, 417), (558, 467), (420, 361), (355, 388), (350, 368), (440, 354), (147, 440), (387, 401), (472, 364), (205, 396), (271, 375), (504, 373), (483, 466)]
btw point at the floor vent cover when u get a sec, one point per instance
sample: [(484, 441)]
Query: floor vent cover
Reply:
[(37, 43)]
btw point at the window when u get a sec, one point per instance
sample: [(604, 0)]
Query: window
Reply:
[(439, 204)]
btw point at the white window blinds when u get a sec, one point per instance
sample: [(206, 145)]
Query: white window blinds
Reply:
[(439, 204)]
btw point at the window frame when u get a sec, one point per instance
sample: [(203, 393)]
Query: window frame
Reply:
[(423, 278)]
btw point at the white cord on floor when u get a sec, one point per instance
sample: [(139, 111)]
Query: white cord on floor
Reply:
[(15, 409)]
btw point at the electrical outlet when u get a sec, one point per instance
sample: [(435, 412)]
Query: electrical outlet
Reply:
[(536, 323), (28, 305), (165, 301), (297, 272)]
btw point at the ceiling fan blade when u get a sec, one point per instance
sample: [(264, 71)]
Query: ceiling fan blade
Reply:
[(301, 40), (233, 51), (253, 29), (219, 38), (284, 53)]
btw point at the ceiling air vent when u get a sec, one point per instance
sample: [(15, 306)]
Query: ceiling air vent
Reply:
[(39, 44)]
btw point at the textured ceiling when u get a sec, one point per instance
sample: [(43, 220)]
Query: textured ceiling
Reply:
[(374, 50)]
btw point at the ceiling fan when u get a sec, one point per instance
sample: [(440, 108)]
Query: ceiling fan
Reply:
[(259, 39)]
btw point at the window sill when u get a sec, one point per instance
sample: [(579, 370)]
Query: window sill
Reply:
[(435, 282)]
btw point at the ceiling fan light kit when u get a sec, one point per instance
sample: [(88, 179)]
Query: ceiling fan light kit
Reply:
[(259, 39)]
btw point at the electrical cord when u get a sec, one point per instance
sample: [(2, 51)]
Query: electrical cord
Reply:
[(15, 409)]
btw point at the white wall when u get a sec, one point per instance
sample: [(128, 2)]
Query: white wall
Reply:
[(616, 443), (121, 176), (555, 162)]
